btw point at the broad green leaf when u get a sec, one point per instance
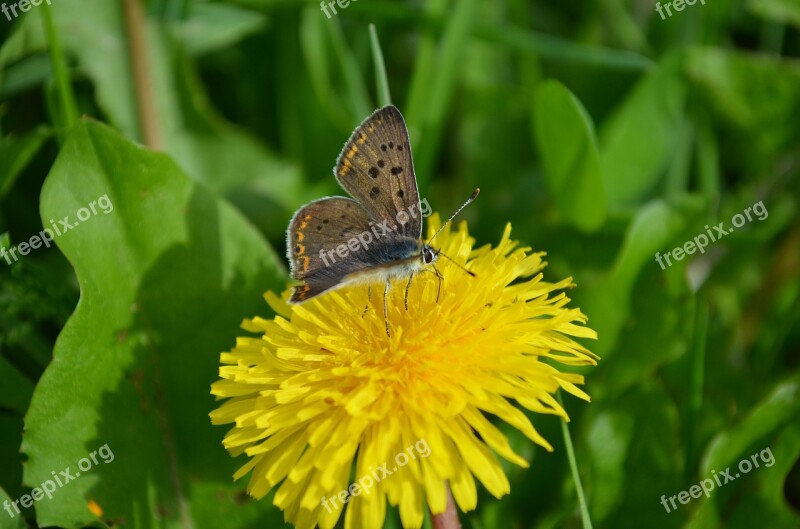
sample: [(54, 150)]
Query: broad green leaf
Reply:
[(636, 143), (166, 275), (568, 149)]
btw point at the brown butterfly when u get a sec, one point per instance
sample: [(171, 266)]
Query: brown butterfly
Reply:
[(377, 234)]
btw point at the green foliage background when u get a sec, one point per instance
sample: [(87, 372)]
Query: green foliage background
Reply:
[(601, 131)]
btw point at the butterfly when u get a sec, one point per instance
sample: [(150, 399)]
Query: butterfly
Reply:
[(374, 236)]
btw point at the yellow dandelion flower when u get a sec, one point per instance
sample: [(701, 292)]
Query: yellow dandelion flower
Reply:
[(324, 387)]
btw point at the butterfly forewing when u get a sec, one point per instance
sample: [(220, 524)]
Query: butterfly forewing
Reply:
[(315, 233), (375, 167)]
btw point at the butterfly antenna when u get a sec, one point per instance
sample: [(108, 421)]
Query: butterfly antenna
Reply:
[(472, 197), (458, 265)]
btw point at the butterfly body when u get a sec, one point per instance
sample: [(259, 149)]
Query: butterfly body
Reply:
[(401, 259)]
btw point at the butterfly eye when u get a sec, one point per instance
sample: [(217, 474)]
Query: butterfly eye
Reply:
[(428, 256)]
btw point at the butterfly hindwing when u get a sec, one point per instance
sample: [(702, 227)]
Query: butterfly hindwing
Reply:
[(375, 167), (315, 233)]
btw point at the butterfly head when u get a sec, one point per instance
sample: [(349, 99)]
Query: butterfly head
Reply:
[(429, 254)]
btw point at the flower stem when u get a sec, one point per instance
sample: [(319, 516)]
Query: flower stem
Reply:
[(135, 22), (67, 113), (449, 518), (573, 465)]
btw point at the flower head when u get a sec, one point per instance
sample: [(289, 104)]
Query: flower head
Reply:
[(324, 387)]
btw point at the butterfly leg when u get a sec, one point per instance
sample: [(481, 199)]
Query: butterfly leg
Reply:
[(386, 307), (405, 300), (369, 300), (440, 277)]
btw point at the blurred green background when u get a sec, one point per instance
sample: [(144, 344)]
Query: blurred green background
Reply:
[(603, 132)]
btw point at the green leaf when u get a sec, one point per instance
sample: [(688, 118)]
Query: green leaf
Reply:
[(381, 79), (210, 27), (434, 82), (316, 50), (782, 11), (609, 437), (355, 87), (17, 522), (637, 142), (165, 276), (652, 231), (640, 427), (566, 143), (752, 92), (17, 153), (28, 73), (561, 50), (779, 408)]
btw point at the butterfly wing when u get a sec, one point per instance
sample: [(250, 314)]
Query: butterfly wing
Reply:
[(315, 233), (375, 167)]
